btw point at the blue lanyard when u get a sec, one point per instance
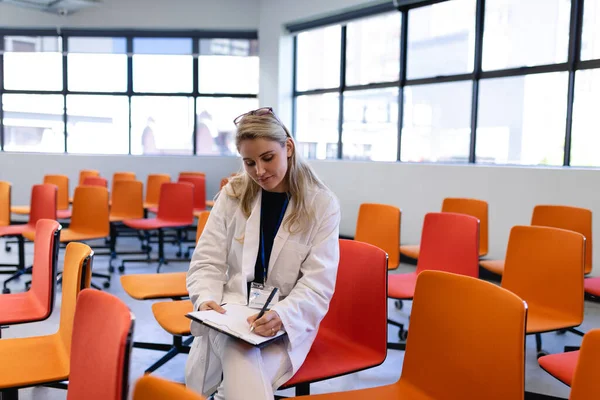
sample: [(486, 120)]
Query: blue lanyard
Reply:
[(262, 239)]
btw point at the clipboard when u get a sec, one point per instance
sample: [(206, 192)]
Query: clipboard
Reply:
[(233, 323)]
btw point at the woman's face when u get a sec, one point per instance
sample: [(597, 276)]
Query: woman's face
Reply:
[(266, 162)]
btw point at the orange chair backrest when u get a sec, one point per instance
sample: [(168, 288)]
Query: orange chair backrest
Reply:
[(202, 218), (127, 199), (475, 208), (45, 261), (95, 181), (199, 183), (379, 225), (100, 348), (544, 266), (4, 203), (450, 242), (153, 187), (362, 269), (90, 211), (176, 202), (84, 173), (43, 203), (484, 358), (62, 183), (190, 173), (76, 276), (570, 218), (123, 176), (150, 387), (586, 385)]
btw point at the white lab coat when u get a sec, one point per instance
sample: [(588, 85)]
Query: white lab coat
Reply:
[(302, 265)]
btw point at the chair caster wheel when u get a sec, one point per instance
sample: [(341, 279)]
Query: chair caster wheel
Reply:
[(5, 290), (403, 335), (187, 254), (542, 353), (561, 331), (178, 254), (7, 249), (398, 304), (121, 269), (111, 269), (106, 285)]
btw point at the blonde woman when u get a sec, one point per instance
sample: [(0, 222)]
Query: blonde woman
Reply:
[(277, 225)]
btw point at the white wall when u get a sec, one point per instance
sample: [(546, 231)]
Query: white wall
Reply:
[(148, 14)]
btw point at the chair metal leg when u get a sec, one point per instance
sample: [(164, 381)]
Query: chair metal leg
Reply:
[(179, 346), (303, 389), (9, 394), (538, 342), (571, 348)]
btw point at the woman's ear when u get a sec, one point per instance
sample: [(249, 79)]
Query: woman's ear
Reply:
[(289, 144)]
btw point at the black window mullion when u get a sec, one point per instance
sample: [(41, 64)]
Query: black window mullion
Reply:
[(575, 32), (402, 79), (341, 91), (65, 49), (129, 51), (479, 27), (195, 91)]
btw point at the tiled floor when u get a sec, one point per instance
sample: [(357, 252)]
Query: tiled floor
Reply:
[(148, 330)]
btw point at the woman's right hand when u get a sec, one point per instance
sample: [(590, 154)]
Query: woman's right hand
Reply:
[(211, 305)]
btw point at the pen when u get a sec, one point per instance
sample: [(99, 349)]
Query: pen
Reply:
[(264, 309)]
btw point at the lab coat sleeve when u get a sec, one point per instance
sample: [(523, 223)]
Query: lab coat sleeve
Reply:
[(208, 268), (303, 309)]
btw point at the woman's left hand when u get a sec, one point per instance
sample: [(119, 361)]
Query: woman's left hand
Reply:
[(267, 325)]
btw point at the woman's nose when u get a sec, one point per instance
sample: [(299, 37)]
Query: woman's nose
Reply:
[(260, 169)]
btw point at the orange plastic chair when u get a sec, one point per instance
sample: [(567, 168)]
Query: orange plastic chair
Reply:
[(482, 359), (123, 176), (4, 203), (38, 360), (190, 173), (175, 210), (586, 385), (473, 207), (224, 181), (43, 206), (100, 348), (379, 225), (449, 242), (199, 183), (95, 181), (37, 303), (342, 345), (564, 217), (62, 200), (153, 184), (150, 387), (544, 266), (84, 173)]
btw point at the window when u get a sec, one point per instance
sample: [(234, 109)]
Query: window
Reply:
[(585, 140), (33, 63), (228, 66), (162, 125), (370, 129), (318, 58), (97, 64), (590, 41), (521, 120), (441, 39), (525, 33), (215, 131), (97, 124), (33, 123), (437, 122), (162, 65), (317, 125), (373, 53)]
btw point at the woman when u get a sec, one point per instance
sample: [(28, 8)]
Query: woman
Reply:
[(274, 224)]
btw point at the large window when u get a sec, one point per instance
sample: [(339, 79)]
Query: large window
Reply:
[(146, 94), (455, 81)]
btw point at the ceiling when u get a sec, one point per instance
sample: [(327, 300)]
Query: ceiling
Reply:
[(61, 7)]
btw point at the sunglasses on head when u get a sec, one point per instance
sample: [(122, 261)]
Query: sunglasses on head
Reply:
[(258, 112)]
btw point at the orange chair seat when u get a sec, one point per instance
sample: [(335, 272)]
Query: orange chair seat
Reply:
[(155, 286), (210, 203), (17, 308), (63, 214), (330, 346), (32, 361), (541, 319), (592, 286), (21, 210), (402, 286), (495, 266), (153, 223), (150, 205), (171, 316), (399, 390), (15, 230), (410, 250), (561, 366)]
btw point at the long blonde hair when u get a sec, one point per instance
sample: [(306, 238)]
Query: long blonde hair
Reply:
[(299, 174)]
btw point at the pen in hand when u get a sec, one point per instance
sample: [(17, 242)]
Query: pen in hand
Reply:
[(264, 308)]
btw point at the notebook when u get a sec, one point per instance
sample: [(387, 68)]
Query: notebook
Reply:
[(234, 323)]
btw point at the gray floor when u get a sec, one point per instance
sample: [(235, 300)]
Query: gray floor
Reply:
[(148, 330)]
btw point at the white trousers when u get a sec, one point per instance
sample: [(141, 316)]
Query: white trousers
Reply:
[(249, 373)]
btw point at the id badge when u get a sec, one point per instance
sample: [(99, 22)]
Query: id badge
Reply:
[(259, 294)]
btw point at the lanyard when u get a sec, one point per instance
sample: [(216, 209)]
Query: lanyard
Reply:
[(262, 239)]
